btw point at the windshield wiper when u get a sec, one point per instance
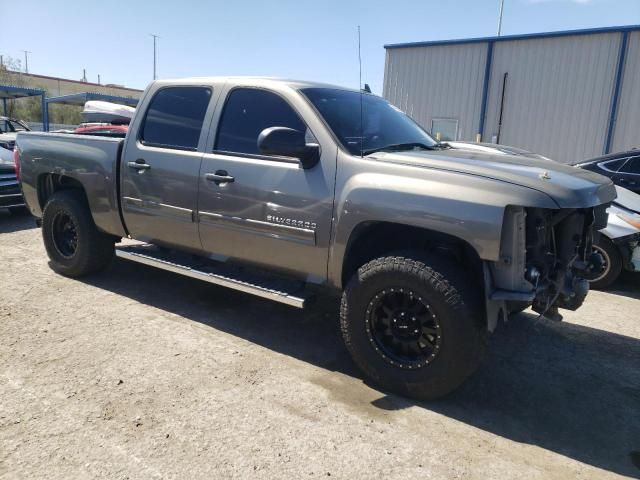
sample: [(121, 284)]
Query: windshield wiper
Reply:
[(395, 147)]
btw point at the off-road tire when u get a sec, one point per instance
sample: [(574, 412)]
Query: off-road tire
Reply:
[(614, 263), (452, 296), (94, 249)]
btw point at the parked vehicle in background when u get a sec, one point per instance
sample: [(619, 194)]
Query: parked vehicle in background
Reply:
[(622, 167), (619, 242), (103, 130), (97, 111), (280, 188), (9, 127), (10, 194)]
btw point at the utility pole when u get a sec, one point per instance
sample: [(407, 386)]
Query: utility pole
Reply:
[(500, 17), (154, 54), (98, 79), (26, 60)]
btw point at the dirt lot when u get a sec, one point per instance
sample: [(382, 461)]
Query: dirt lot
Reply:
[(137, 373)]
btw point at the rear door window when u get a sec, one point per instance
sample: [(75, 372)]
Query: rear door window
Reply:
[(248, 112), (174, 118)]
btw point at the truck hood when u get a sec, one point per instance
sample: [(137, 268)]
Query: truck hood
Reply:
[(568, 186)]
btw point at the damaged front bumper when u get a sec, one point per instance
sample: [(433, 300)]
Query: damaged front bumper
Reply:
[(545, 256)]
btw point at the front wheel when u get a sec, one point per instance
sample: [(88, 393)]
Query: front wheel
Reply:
[(74, 244), (415, 326)]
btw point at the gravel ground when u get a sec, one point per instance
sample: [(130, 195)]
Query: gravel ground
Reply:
[(138, 373)]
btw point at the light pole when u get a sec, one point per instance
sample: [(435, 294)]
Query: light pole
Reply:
[(500, 17), (154, 53), (26, 60)]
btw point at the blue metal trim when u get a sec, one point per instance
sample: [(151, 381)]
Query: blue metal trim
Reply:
[(21, 92), (28, 92), (485, 87), (563, 33), (81, 98), (622, 54)]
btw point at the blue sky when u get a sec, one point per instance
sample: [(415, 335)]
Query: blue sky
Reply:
[(295, 39)]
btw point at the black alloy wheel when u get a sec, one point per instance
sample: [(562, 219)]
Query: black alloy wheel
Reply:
[(403, 328)]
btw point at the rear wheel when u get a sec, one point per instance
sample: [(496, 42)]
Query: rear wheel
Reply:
[(415, 326), (612, 266), (74, 244)]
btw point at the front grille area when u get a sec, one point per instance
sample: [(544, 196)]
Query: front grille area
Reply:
[(559, 255)]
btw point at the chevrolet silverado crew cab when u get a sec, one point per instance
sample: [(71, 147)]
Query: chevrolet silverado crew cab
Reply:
[(283, 188)]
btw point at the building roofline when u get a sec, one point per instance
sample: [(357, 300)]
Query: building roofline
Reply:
[(76, 81), (526, 36)]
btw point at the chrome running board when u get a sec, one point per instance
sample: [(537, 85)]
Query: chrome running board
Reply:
[(271, 288)]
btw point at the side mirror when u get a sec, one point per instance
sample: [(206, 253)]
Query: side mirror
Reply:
[(288, 142)]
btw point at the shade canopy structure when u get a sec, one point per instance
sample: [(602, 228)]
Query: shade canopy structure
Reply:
[(13, 92), (80, 99)]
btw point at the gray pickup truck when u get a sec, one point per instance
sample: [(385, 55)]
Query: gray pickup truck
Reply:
[(283, 188)]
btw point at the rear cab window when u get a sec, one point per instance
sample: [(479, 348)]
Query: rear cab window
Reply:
[(175, 117)]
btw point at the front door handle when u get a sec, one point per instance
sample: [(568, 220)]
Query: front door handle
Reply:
[(139, 164), (221, 176)]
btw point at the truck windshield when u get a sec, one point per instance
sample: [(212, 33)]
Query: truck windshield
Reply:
[(380, 127)]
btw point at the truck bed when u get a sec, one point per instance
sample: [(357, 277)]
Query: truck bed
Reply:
[(91, 161)]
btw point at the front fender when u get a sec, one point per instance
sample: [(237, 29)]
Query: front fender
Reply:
[(464, 206)]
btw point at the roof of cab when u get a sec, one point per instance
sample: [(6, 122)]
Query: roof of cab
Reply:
[(256, 80)]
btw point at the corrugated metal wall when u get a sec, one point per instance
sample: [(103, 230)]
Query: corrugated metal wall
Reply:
[(558, 99), (558, 94), (627, 127), (438, 82)]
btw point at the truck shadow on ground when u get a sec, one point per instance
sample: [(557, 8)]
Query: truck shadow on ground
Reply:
[(566, 388), (15, 222)]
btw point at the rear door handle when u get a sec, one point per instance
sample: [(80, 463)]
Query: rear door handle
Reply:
[(139, 164), (221, 176)]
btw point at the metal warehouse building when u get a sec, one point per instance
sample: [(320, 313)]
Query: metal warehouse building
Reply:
[(568, 95)]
